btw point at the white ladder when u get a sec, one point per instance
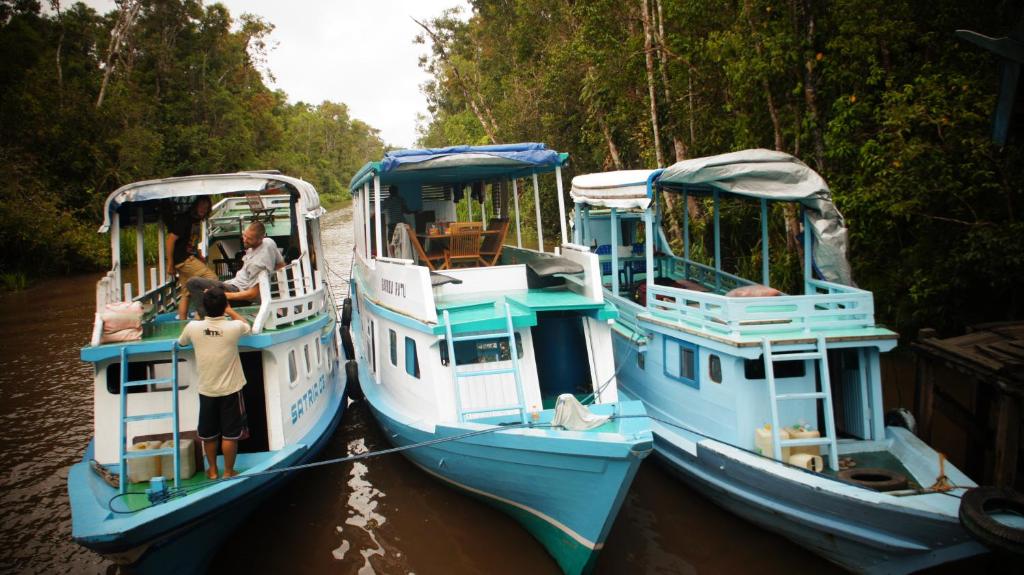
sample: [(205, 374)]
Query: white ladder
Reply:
[(458, 374), (819, 355)]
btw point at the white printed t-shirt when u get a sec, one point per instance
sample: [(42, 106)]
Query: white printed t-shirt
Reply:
[(263, 257), (215, 340)]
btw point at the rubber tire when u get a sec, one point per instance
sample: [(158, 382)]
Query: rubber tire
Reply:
[(894, 481), (974, 515), (346, 343), (355, 393), (346, 312)]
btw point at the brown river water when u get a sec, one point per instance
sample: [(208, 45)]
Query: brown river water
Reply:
[(378, 516)]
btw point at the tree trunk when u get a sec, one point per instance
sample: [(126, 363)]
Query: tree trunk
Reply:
[(613, 150), (810, 89), (118, 35), (649, 61), (490, 128)]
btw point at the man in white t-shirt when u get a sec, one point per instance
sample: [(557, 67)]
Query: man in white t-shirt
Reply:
[(221, 406), (261, 255)]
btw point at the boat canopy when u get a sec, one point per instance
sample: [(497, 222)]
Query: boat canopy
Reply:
[(460, 164), (623, 189), (206, 185), (771, 175)]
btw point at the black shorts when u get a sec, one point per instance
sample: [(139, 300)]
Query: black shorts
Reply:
[(222, 417)]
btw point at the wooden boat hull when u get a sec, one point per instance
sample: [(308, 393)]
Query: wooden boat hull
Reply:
[(565, 493)]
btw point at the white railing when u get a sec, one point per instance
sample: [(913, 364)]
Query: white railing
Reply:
[(292, 296), (842, 307)]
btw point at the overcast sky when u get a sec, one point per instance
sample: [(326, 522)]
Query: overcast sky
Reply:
[(360, 53)]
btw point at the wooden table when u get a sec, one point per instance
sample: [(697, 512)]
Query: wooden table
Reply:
[(446, 237)]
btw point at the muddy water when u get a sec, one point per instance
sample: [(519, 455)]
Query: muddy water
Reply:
[(379, 516)]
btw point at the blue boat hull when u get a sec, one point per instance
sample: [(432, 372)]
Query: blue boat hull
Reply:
[(567, 499), (186, 539)]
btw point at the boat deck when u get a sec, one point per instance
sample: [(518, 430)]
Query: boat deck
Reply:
[(159, 334), (486, 312)]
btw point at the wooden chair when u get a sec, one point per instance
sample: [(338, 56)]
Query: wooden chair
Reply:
[(259, 210), (490, 252), (457, 227), (425, 258), (463, 247)]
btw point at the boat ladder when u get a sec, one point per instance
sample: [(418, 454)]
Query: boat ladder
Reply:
[(458, 374), (819, 355), (125, 455)]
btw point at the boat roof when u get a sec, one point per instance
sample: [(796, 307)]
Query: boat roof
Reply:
[(207, 185), (620, 189), (460, 164)]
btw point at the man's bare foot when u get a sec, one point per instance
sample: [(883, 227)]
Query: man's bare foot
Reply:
[(211, 473), (231, 473)]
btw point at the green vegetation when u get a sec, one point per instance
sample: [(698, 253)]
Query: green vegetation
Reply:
[(181, 92), (877, 95)]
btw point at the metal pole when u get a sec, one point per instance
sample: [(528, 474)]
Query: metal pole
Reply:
[(161, 241), (649, 252), (366, 219), (561, 203), (808, 249), (765, 279), (536, 204), (378, 232), (140, 254), (614, 219), (718, 247), (577, 218), (115, 252), (515, 197)]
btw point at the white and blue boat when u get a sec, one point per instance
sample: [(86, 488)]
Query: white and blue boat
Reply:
[(474, 358), (145, 388), (768, 403)]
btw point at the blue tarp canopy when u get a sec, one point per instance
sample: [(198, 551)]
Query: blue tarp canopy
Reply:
[(459, 164)]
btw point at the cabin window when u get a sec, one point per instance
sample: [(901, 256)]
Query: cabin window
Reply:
[(141, 370), (319, 354), (681, 362), (412, 361), (373, 346), (640, 360), (754, 369), (293, 367), (481, 350), (393, 340), (309, 365), (715, 368)]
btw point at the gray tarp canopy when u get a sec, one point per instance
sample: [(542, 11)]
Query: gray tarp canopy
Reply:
[(206, 185), (774, 176)]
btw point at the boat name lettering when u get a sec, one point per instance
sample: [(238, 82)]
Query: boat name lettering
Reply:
[(392, 287), (306, 400)]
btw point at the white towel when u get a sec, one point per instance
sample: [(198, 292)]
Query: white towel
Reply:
[(574, 416)]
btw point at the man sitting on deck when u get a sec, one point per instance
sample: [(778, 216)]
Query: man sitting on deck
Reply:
[(260, 255), (221, 407)]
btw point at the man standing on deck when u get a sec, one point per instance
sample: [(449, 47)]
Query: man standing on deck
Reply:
[(221, 407), (186, 261), (261, 255)]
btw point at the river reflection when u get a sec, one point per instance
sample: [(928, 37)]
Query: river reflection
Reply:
[(377, 516)]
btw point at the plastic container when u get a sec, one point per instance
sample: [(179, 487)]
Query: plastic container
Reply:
[(186, 458), (803, 432), (763, 441), (807, 461), (142, 469)]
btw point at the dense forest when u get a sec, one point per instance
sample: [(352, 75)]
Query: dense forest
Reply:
[(879, 96), (155, 88)]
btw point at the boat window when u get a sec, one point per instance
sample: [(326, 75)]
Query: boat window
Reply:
[(309, 365), (481, 350), (373, 346), (412, 361), (754, 369), (393, 340), (715, 368), (319, 354), (681, 361), (293, 368), (140, 370), (640, 360)]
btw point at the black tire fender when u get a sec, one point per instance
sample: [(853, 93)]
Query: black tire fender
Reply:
[(875, 478), (355, 392), (346, 343), (346, 312), (977, 507)]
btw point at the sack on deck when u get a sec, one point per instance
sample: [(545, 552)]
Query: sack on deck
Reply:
[(122, 321)]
